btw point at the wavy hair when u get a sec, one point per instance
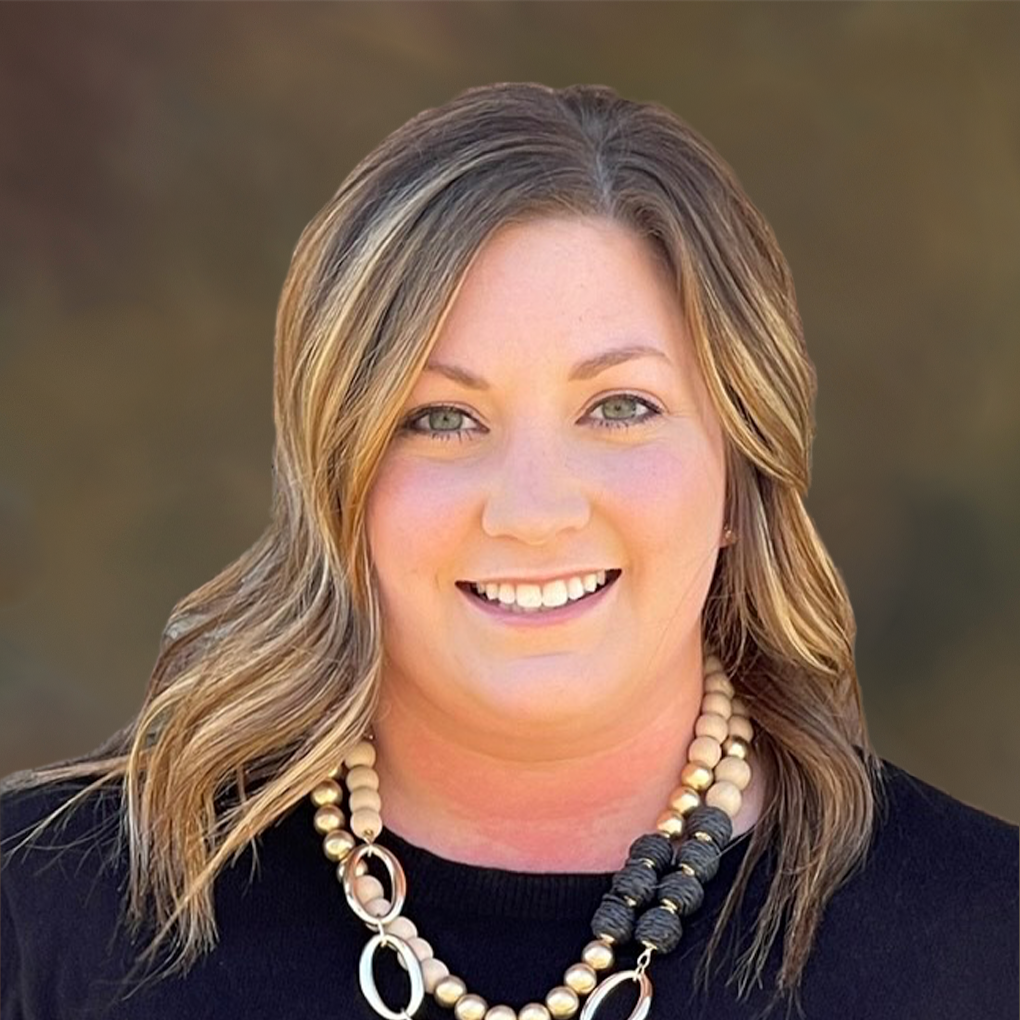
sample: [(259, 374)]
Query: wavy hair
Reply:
[(269, 673)]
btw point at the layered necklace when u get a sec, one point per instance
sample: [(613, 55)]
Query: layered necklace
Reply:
[(661, 881)]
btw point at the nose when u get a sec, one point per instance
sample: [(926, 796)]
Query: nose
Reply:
[(535, 492)]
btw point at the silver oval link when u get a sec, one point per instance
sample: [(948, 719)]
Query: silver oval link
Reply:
[(397, 879), (644, 1002), (366, 975)]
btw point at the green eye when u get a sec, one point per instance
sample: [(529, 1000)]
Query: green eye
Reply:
[(435, 413)]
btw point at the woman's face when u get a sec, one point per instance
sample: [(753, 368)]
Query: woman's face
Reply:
[(541, 471)]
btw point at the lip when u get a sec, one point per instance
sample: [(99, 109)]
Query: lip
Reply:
[(548, 617)]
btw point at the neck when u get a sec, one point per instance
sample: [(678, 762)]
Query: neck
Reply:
[(536, 803)]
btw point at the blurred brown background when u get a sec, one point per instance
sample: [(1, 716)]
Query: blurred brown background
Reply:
[(159, 162)]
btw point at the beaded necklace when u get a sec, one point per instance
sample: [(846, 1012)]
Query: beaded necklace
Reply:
[(661, 881)]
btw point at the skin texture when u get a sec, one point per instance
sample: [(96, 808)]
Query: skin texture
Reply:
[(548, 748)]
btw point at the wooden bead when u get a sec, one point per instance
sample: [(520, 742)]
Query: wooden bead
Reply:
[(718, 683), (403, 927), (716, 703), (328, 818), (363, 753), (368, 888), (379, 906), (533, 1011), (362, 775), (470, 1007), (433, 971), (683, 800), (364, 797), (581, 977), (562, 1001), (598, 955), (711, 664), (736, 747), (740, 727), (739, 707), (733, 770), (697, 777), (448, 990), (725, 796), (366, 824), (328, 792), (420, 948), (501, 1013), (705, 750), (338, 843), (710, 724)]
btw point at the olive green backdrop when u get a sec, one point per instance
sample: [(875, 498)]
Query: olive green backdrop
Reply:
[(159, 162)]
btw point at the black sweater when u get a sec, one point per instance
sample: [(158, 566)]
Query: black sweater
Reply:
[(928, 928)]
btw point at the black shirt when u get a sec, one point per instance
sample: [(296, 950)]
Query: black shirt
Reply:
[(927, 928)]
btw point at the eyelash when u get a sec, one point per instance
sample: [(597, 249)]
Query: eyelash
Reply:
[(462, 434)]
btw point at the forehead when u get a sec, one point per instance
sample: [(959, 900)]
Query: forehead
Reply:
[(559, 289)]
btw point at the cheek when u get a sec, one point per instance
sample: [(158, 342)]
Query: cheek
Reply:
[(673, 493), (411, 514)]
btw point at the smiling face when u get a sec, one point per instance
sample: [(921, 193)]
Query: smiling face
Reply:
[(546, 470)]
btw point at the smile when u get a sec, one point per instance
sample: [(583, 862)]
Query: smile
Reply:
[(527, 616)]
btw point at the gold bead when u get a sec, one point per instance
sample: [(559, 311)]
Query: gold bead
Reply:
[(337, 844), (562, 1001), (669, 823), (533, 1011), (334, 772), (501, 1013), (328, 792), (598, 955), (581, 977), (449, 990), (683, 800), (470, 1007), (328, 818), (735, 748), (696, 776)]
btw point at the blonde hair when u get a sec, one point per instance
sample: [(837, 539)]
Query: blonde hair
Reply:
[(269, 673)]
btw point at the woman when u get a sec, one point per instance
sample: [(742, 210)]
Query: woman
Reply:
[(541, 656)]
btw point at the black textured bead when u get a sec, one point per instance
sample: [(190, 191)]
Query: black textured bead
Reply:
[(702, 858), (638, 882), (614, 918), (681, 889), (656, 847), (659, 927), (712, 821)]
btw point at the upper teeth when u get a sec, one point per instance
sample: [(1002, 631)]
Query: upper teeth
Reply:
[(535, 596)]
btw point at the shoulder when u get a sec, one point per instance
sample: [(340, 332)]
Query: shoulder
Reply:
[(57, 840), (925, 827)]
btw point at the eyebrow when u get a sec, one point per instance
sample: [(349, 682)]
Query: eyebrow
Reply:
[(586, 369)]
